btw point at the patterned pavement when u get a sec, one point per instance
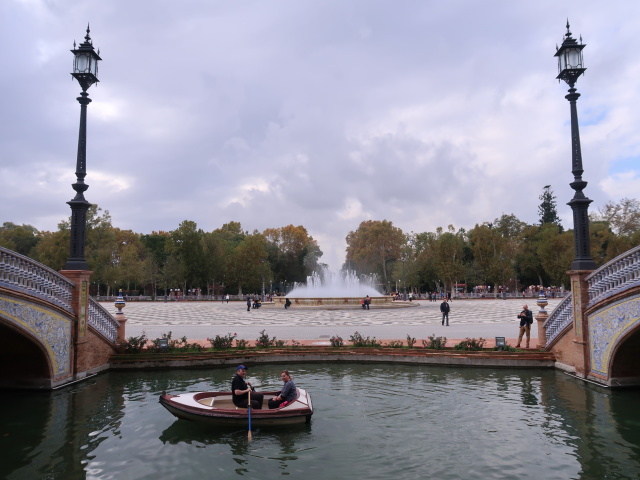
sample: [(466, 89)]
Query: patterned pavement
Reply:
[(486, 318)]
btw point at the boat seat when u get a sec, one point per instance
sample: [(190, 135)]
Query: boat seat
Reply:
[(207, 401)]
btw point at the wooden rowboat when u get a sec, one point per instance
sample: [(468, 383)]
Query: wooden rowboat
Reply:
[(216, 408)]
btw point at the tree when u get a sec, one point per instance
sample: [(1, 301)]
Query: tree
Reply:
[(606, 245), (425, 259), (213, 247), (449, 250), (155, 259), (485, 244), (373, 246), (293, 253), (20, 238), (53, 248), (187, 248), (623, 217), (102, 248), (547, 209), (247, 263), (555, 250)]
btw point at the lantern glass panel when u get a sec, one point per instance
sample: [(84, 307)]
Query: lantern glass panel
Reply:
[(83, 63), (573, 58)]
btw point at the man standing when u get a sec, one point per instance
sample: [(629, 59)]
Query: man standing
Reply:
[(444, 308), (526, 320), (240, 390), (248, 303), (288, 393)]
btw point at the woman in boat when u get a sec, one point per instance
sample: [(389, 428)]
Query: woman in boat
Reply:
[(287, 394), (240, 391)]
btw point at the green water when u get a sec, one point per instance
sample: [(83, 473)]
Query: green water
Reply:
[(370, 421)]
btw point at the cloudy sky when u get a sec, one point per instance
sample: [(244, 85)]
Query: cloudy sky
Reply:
[(315, 113)]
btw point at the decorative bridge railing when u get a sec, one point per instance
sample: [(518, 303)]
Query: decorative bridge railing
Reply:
[(619, 274), (560, 318), (102, 320), (22, 274), (27, 276)]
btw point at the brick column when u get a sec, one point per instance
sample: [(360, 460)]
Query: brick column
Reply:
[(80, 305), (580, 300)]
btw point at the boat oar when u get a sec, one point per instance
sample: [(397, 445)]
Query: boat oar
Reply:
[(249, 436)]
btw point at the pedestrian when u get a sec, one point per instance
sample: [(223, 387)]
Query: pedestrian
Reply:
[(444, 308), (288, 393), (526, 320), (240, 391), (227, 298), (248, 303)]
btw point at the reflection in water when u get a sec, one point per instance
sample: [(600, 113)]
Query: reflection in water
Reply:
[(285, 438), (373, 421), (606, 443)]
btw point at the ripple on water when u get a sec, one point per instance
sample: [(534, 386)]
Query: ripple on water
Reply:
[(372, 421)]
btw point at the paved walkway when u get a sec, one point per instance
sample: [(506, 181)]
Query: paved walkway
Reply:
[(486, 318)]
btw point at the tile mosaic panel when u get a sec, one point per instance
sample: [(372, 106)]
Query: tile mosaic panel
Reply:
[(50, 327), (607, 326)]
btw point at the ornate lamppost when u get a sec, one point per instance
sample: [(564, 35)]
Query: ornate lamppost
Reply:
[(85, 71), (570, 67)]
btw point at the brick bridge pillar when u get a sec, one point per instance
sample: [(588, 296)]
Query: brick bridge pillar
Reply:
[(580, 299), (80, 305)]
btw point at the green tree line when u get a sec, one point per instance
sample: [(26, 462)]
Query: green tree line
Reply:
[(506, 252), (226, 260)]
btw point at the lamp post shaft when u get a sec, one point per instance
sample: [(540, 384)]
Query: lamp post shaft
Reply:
[(81, 163), (79, 204), (579, 203)]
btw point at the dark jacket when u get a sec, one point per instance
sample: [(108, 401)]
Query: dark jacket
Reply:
[(444, 307), (238, 383), (526, 316)]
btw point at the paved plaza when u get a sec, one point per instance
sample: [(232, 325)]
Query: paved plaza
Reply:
[(486, 318)]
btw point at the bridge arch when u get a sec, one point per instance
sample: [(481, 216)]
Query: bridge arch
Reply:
[(23, 359), (36, 339), (624, 365)]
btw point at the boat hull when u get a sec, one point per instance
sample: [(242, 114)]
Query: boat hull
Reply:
[(215, 408)]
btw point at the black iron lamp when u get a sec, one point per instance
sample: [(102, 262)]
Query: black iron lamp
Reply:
[(570, 67), (85, 71)]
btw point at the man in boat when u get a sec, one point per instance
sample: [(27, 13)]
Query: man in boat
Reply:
[(287, 394), (240, 391)]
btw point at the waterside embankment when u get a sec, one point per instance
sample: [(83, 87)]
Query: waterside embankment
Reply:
[(321, 354)]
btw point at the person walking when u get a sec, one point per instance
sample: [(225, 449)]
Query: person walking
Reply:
[(248, 303), (526, 320), (444, 308)]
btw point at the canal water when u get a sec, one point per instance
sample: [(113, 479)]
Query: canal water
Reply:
[(371, 421)]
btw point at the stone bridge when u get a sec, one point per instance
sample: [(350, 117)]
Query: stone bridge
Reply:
[(51, 331), (595, 332)]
